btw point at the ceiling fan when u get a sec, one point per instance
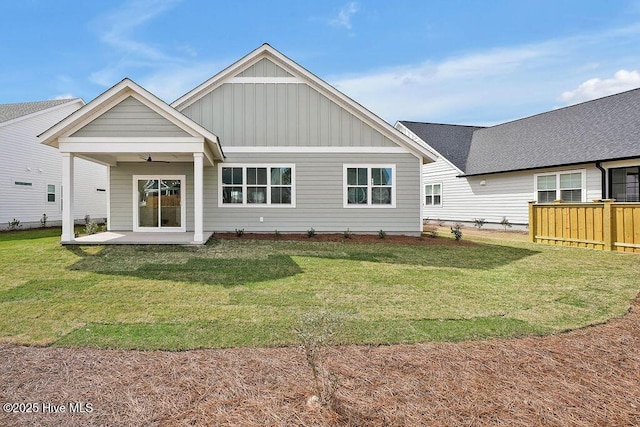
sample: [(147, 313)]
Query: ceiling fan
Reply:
[(148, 159)]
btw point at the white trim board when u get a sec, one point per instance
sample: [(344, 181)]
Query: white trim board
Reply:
[(315, 149)]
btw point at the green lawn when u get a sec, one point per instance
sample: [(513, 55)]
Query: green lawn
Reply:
[(253, 293)]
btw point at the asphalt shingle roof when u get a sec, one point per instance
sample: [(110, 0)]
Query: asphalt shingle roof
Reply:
[(602, 129), (451, 141), (13, 111)]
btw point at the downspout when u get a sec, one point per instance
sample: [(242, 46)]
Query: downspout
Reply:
[(603, 179)]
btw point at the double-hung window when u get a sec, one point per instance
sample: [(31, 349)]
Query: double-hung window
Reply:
[(257, 185), (51, 193), (369, 186), (565, 186), (433, 195)]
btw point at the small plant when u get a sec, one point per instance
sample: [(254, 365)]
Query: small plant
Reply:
[(382, 234), (431, 231), (278, 233), (311, 232), (505, 223), (456, 230), (103, 228), (87, 219), (91, 227), (315, 333), (239, 232), (347, 234), (43, 220), (478, 222), (14, 224)]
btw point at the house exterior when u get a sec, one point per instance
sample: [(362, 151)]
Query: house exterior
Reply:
[(30, 173), (263, 145), (578, 153)]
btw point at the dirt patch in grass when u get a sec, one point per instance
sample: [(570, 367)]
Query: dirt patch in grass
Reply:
[(582, 378)]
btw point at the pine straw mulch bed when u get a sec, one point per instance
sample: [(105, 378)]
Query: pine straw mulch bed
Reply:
[(582, 378)]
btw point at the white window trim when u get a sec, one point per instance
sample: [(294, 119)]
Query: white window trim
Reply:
[(55, 194), (244, 203), (583, 176), (183, 204), (424, 198), (369, 205)]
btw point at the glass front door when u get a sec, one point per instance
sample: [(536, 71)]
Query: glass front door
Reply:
[(159, 203)]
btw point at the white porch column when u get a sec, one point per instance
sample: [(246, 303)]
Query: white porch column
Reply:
[(198, 196), (67, 197)]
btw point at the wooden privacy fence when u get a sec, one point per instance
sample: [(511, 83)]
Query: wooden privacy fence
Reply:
[(602, 224)]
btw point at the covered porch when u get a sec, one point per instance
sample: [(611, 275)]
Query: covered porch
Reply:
[(140, 238), (155, 157)]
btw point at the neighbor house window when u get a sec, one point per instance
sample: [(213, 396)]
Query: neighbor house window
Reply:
[(433, 195), (565, 186), (369, 186), (51, 193), (22, 184), (625, 184), (257, 185)]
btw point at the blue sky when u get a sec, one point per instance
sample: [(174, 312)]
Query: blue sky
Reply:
[(448, 61)]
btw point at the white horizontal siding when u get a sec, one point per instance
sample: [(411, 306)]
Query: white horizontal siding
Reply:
[(503, 195), (23, 158)]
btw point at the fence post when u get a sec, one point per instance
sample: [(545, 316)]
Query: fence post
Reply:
[(532, 221), (608, 230)]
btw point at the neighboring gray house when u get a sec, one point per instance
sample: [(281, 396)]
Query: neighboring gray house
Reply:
[(263, 145), (30, 173), (576, 154)]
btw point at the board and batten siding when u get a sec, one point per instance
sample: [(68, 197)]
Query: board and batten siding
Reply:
[(280, 114), (24, 159), (319, 197), (121, 179), (502, 195), (130, 118), (264, 68)]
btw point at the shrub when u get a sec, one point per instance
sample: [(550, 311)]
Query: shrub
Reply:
[(278, 233), (14, 224), (315, 333), (478, 222), (382, 234), (505, 223), (87, 219), (43, 220), (311, 232), (347, 234), (239, 232), (456, 230), (91, 227)]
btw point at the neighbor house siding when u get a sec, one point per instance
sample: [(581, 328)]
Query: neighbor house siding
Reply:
[(24, 159), (319, 197), (502, 195), (130, 118), (280, 114), (122, 189)]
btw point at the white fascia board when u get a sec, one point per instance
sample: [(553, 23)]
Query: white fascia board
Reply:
[(115, 95), (131, 147), (264, 80), (313, 81), (319, 149)]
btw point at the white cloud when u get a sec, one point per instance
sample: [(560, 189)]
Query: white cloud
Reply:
[(495, 85), (344, 15), (64, 96), (594, 88)]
